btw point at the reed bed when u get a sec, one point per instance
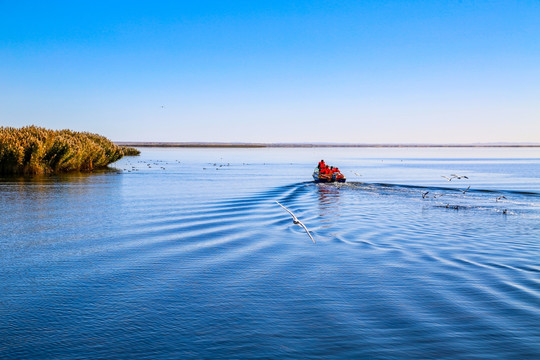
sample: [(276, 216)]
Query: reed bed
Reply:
[(36, 150), (130, 151)]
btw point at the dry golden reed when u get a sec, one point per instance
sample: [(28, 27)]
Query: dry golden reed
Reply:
[(129, 151), (35, 150)]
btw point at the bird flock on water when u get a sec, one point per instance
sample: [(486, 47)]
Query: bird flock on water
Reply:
[(459, 177)]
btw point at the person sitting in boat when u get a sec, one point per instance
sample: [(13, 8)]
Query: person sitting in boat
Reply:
[(337, 174), (321, 165), (326, 173), (333, 172)]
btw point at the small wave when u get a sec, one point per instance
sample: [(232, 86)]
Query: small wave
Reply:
[(443, 188)]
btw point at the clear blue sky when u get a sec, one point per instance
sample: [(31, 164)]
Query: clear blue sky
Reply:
[(274, 71)]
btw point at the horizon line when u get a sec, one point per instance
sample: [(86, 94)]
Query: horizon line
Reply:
[(217, 144)]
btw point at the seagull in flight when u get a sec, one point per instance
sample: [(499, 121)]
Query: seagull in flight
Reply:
[(500, 198), (424, 194), (297, 222), (454, 176), (467, 189)]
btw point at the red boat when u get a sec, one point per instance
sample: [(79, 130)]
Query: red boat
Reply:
[(328, 178)]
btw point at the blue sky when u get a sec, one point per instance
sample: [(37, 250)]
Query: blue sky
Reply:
[(274, 71)]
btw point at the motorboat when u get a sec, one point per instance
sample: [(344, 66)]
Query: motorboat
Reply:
[(328, 178)]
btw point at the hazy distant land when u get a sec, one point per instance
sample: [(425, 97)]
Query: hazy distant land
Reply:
[(308, 145)]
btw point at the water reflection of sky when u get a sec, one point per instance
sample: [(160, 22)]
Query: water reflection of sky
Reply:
[(176, 253)]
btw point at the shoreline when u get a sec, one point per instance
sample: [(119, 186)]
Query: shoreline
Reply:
[(314, 145)]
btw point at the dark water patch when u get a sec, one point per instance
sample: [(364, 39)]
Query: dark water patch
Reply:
[(534, 269)]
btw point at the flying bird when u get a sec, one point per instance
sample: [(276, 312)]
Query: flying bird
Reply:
[(424, 194), (500, 198), (297, 222), (459, 176), (467, 189), (447, 178)]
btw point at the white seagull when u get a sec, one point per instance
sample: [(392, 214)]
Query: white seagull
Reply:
[(467, 189), (297, 222)]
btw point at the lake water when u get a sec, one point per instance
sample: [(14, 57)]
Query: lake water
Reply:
[(184, 253)]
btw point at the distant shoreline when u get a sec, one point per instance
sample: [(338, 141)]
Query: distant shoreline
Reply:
[(314, 145)]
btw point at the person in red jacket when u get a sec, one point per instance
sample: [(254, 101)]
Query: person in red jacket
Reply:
[(338, 173), (321, 165), (326, 172), (332, 172)]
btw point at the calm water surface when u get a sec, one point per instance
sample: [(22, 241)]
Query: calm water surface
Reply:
[(183, 253)]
